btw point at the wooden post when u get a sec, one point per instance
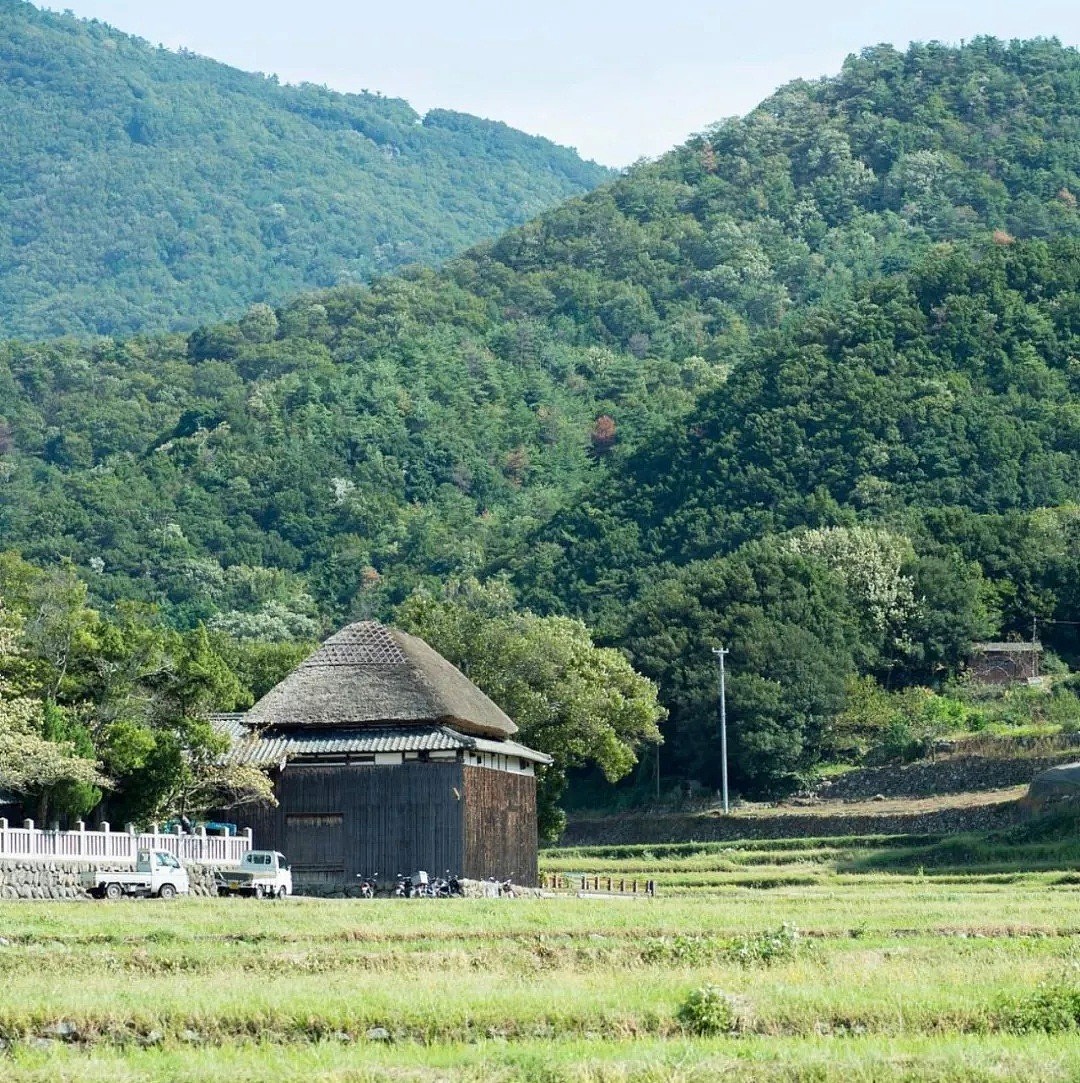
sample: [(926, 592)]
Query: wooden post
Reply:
[(80, 840), (3, 835)]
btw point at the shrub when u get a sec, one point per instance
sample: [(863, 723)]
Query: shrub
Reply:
[(1053, 1008), (682, 949), (767, 947), (707, 1010)]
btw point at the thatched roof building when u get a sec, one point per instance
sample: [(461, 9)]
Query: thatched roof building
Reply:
[(368, 674), (388, 759)]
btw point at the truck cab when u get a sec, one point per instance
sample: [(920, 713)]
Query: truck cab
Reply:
[(262, 874)]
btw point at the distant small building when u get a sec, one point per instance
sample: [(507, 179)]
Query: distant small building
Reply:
[(386, 759), (1004, 663)]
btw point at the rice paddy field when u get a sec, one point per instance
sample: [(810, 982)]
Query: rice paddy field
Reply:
[(866, 958)]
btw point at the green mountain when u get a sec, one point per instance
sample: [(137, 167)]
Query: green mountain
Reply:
[(142, 189), (807, 385), (952, 386)]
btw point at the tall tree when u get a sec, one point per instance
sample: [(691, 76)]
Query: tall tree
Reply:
[(575, 701)]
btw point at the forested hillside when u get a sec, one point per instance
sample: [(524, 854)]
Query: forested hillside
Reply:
[(808, 386), (144, 189), (955, 385)]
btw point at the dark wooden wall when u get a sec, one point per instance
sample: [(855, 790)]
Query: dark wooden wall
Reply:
[(472, 821), (500, 825), (394, 819)]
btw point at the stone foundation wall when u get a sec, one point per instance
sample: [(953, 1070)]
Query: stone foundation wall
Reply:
[(60, 879)]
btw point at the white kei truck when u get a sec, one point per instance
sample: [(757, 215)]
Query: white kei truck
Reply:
[(156, 872), (262, 874)]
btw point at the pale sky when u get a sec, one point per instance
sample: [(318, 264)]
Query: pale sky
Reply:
[(617, 79)]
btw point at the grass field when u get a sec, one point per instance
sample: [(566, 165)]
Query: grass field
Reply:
[(834, 959)]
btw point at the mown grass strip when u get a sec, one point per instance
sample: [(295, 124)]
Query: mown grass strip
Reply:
[(982, 1059)]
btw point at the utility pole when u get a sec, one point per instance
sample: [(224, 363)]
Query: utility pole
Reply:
[(720, 652)]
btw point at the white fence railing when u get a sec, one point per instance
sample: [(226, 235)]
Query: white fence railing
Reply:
[(28, 843)]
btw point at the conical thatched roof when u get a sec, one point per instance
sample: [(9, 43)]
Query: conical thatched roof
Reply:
[(368, 674)]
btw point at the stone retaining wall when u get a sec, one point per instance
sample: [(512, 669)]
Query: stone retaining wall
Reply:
[(955, 774), (60, 879), (616, 830)]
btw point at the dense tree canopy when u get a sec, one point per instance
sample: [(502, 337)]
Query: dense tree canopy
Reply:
[(952, 386), (144, 189), (579, 703), (117, 702)]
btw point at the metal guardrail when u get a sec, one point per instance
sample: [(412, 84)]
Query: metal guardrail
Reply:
[(29, 843)]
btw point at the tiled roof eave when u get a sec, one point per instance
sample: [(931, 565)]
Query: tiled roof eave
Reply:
[(279, 746)]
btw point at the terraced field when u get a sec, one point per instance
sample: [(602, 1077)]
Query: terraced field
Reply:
[(848, 959)]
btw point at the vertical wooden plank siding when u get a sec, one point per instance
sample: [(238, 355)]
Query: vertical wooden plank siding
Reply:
[(500, 825), (398, 819), (394, 819)]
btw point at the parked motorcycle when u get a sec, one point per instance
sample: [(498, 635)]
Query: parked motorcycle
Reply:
[(421, 886)]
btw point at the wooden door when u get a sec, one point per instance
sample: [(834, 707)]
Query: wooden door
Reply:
[(315, 846)]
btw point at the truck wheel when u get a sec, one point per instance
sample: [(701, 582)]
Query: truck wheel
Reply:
[(281, 892), (258, 891), (113, 892), (166, 891)]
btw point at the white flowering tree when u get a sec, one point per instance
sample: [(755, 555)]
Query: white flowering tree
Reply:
[(871, 563)]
